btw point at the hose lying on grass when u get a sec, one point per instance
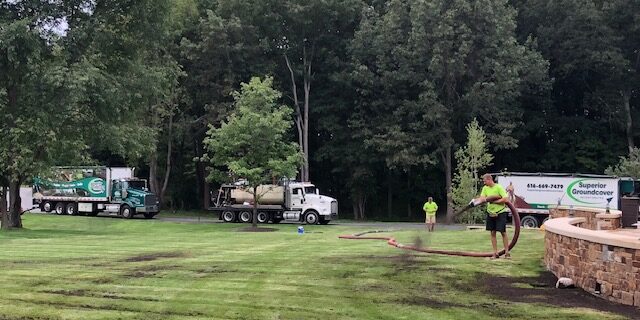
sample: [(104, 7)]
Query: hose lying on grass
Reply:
[(392, 241)]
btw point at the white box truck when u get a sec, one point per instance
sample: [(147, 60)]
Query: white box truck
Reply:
[(533, 194)]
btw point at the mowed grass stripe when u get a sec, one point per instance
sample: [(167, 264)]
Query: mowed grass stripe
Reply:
[(97, 268)]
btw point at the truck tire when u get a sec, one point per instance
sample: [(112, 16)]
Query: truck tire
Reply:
[(245, 217), (311, 217), (126, 211), (545, 220), (529, 222), (263, 217), (71, 209), (228, 216), (47, 206), (276, 220), (59, 208)]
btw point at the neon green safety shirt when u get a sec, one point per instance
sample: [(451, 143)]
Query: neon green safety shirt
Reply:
[(497, 190), (430, 208)]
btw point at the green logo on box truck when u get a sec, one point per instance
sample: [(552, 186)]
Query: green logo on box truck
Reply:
[(588, 188)]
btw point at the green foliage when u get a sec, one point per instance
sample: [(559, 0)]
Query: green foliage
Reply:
[(252, 142), (471, 158), (628, 166)]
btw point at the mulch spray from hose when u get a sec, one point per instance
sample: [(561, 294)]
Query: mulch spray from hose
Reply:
[(418, 247)]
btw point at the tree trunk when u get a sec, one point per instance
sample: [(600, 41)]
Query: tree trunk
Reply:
[(254, 220), (12, 219), (299, 119), (359, 203), (153, 172), (409, 193), (3, 201), (362, 204), (626, 96), (167, 171), (446, 159), (207, 194), (389, 194), (305, 137), (201, 177)]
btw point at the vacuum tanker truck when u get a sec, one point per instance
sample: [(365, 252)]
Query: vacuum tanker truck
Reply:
[(291, 201), (90, 190)]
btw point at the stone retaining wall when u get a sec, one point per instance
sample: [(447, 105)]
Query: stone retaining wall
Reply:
[(604, 263)]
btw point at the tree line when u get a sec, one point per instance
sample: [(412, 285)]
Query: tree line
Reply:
[(381, 91)]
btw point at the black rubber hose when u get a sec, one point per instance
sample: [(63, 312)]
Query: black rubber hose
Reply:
[(392, 241)]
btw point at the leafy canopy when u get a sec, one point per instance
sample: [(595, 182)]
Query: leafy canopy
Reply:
[(252, 143)]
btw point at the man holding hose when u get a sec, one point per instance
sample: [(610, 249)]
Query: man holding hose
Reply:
[(496, 213)]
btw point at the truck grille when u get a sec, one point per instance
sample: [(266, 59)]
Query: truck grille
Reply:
[(150, 200), (334, 207)]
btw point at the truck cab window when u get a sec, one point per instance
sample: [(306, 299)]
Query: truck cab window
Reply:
[(297, 191), (311, 190)]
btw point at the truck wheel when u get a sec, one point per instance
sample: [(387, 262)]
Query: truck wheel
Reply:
[(545, 220), (47, 206), (311, 217), (245, 217), (71, 209), (59, 208), (263, 217), (529, 222), (126, 211), (228, 216), (149, 215)]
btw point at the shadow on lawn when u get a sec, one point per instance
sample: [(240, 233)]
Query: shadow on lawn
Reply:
[(507, 290)]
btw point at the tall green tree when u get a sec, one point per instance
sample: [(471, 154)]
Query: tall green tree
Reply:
[(471, 158), (592, 48), (443, 63), (252, 143), (75, 92), (39, 110)]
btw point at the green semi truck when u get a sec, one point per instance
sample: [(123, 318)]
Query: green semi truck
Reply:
[(91, 190)]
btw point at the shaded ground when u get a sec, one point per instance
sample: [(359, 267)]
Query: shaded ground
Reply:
[(257, 229), (542, 289)]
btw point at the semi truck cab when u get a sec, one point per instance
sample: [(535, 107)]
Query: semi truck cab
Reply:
[(133, 196), (307, 198)]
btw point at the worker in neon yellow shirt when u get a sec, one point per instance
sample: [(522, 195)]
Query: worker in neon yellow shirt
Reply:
[(496, 213), (430, 208)]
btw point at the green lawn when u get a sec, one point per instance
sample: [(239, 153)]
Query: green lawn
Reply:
[(64, 267)]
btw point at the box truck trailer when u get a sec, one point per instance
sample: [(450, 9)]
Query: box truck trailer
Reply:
[(533, 194)]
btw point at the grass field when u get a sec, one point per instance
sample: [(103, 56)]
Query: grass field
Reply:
[(64, 267)]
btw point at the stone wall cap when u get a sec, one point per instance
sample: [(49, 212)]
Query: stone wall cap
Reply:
[(589, 209), (610, 215), (566, 227)]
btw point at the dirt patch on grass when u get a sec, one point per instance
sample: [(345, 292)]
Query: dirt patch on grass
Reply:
[(156, 256), (258, 229), (106, 295), (149, 314), (542, 290)]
